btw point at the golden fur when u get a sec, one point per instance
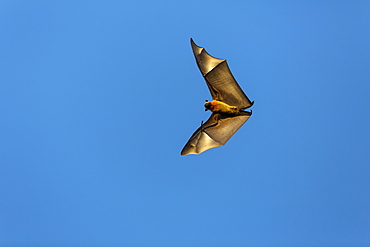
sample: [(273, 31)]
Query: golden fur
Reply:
[(221, 107)]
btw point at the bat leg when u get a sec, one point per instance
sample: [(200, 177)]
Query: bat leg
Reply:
[(247, 113)]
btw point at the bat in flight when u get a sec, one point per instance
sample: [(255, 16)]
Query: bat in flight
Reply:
[(227, 107)]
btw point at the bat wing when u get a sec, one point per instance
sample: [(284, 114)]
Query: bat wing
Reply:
[(214, 133), (219, 79)]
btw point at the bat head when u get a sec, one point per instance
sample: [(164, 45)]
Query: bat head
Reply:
[(208, 105)]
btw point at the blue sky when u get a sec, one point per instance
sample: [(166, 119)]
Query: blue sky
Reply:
[(98, 98)]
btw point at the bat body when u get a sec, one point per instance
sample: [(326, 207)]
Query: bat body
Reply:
[(221, 108), (227, 107)]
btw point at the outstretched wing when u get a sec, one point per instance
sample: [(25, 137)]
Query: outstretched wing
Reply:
[(214, 133), (219, 79)]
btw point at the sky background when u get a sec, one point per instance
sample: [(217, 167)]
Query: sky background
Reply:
[(97, 99)]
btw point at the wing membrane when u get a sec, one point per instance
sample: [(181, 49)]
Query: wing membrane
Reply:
[(215, 132), (219, 78)]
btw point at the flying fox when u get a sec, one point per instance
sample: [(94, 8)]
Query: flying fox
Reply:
[(228, 106)]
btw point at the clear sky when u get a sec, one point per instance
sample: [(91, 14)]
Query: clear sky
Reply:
[(97, 99)]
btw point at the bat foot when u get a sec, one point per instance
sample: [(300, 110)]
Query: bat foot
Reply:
[(248, 113)]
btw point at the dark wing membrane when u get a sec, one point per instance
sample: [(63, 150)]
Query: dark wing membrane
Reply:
[(219, 78), (214, 133)]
